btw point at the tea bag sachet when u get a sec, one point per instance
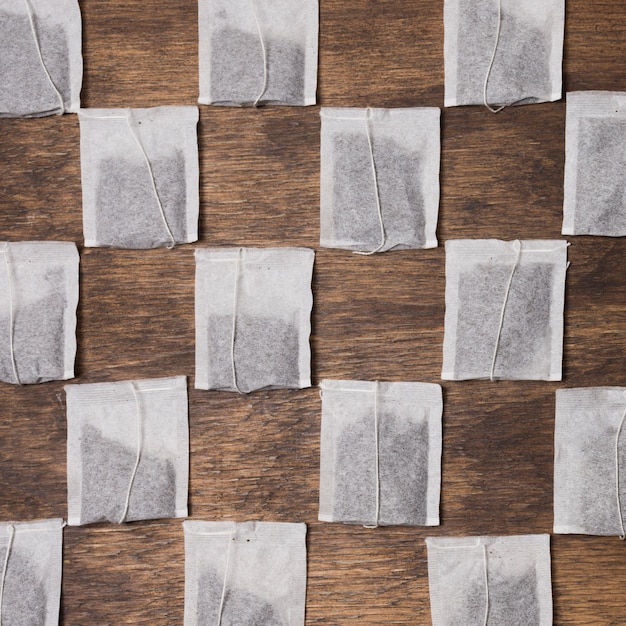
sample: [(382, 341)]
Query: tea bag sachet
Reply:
[(595, 160), (41, 63), (139, 171), (39, 287), (127, 450), (490, 581), (504, 309), (253, 318), (258, 52), (590, 461), (30, 572), (379, 178), (244, 573), (380, 461), (503, 52)]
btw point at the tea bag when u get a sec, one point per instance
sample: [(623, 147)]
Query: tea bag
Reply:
[(253, 318), (380, 458), (258, 52), (490, 581), (504, 309), (127, 450), (139, 170), (244, 574), (41, 63), (595, 160), (503, 52), (30, 572), (379, 178), (39, 287), (590, 461)]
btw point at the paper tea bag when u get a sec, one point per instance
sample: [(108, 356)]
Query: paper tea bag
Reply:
[(503, 52), (380, 460), (590, 461), (244, 574), (253, 318), (504, 309), (258, 52), (495, 581), (139, 170), (595, 161), (379, 178), (127, 450), (41, 63), (39, 287), (30, 572)]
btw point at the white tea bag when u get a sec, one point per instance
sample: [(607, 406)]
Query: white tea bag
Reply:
[(41, 63), (244, 574), (504, 309), (379, 180), (503, 52), (30, 572), (253, 318), (139, 171), (380, 456), (39, 287), (590, 461), (495, 581), (595, 160), (127, 450), (258, 51)]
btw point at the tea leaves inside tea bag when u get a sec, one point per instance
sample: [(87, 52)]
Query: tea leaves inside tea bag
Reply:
[(595, 157), (40, 57)]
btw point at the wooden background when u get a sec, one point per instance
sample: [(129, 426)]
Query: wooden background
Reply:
[(379, 317)]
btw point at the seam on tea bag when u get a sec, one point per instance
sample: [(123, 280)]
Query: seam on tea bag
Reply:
[(368, 117), (11, 530), (493, 57), (31, 20), (234, 328), (518, 245), (375, 524), (622, 534), (11, 320), (139, 450), (263, 48), (128, 118)]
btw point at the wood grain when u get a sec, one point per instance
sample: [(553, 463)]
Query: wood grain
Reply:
[(380, 317)]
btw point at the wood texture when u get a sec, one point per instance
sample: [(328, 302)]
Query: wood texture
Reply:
[(379, 317)]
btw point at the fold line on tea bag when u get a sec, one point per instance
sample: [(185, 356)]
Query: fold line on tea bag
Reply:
[(622, 534), (493, 57), (377, 460), (368, 117), (264, 49), (11, 320), (231, 538), (518, 245), (31, 20), (486, 585), (139, 449), (11, 530), (234, 328)]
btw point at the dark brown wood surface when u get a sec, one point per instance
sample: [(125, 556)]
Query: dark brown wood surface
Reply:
[(378, 317)]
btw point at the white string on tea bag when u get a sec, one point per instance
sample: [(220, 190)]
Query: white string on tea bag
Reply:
[(31, 20), (493, 56), (376, 459), (622, 534), (262, 42), (5, 566), (11, 315), (139, 447), (239, 260)]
